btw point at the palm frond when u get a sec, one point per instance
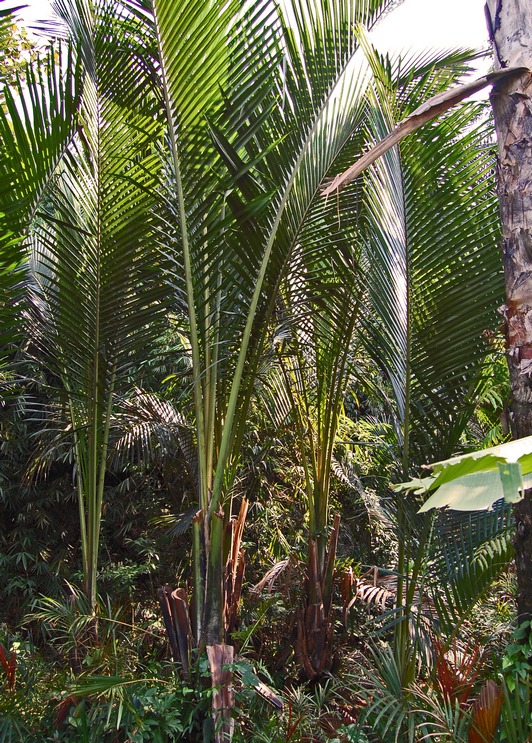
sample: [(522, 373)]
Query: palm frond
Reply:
[(425, 261), (146, 429), (469, 552), (37, 120), (308, 131)]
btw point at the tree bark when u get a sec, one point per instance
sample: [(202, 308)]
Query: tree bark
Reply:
[(510, 26)]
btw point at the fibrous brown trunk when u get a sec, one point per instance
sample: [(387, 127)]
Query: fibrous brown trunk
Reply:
[(510, 26)]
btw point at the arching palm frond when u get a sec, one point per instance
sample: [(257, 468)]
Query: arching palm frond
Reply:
[(147, 428), (37, 120), (424, 263), (427, 261), (455, 566)]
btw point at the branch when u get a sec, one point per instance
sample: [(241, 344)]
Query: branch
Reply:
[(432, 108)]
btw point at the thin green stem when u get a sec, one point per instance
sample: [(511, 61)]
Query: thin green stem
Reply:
[(194, 334)]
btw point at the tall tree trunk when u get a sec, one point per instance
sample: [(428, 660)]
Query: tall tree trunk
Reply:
[(510, 26)]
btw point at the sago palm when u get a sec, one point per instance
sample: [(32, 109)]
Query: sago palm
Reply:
[(96, 290), (259, 101), (269, 103), (365, 270), (433, 275)]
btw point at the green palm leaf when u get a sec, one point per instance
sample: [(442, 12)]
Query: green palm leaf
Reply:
[(321, 300), (37, 119), (468, 553), (427, 262), (424, 263)]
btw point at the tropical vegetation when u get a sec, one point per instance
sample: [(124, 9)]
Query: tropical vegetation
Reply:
[(213, 377)]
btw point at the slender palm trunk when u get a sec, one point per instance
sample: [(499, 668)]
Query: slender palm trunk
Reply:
[(510, 25)]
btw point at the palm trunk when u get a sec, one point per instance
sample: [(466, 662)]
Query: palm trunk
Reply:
[(510, 25)]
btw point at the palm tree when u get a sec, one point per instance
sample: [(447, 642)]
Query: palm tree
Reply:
[(95, 283), (431, 227), (400, 284), (238, 233), (321, 298), (253, 124)]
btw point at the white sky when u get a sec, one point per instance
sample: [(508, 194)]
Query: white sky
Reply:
[(442, 24), (415, 24)]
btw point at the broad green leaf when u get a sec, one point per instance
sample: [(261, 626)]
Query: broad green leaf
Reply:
[(417, 485), (519, 450), (472, 492), (511, 481), (478, 490)]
